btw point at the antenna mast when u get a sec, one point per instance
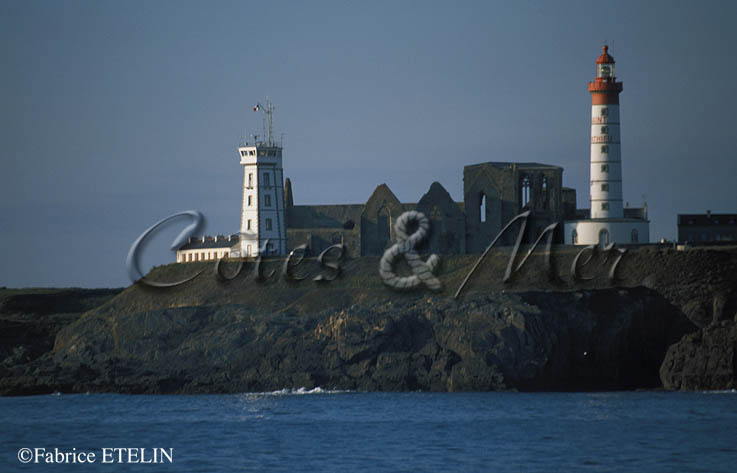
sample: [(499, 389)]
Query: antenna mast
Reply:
[(269, 114)]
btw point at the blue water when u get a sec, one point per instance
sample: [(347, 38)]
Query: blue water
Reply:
[(345, 431)]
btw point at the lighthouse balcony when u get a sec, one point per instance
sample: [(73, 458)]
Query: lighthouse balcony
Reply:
[(605, 86)]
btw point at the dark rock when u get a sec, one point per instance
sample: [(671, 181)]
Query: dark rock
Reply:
[(600, 339), (703, 360)]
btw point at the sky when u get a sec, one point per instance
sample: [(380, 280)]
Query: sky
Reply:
[(114, 115)]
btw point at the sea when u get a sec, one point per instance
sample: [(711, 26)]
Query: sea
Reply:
[(325, 430)]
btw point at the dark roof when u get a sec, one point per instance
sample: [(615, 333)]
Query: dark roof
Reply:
[(196, 243), (707, 219), (504, 164), (323, 216), (635, 212)]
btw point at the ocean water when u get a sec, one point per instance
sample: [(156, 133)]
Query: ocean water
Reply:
[(347, 431)]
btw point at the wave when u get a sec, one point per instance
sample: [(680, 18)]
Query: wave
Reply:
[(299, 392)]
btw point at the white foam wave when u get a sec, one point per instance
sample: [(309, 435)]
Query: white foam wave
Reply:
[(299, 392)]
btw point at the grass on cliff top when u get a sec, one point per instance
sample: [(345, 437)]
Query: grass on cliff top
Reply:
[(676, 274)]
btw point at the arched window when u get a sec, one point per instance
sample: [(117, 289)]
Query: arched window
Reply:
[(634, 237), (603, 237), (383, 226), (525, 195), (482, 209), (545, 192), (574, 237), (436, 217)]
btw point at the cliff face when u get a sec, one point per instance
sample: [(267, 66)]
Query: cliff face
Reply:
[(705, 359), (353, 333), (602, 339)]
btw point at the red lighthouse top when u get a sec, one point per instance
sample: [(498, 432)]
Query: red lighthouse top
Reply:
[(605, 89), (605, 58)]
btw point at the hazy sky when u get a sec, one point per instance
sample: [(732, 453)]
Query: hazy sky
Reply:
[(114, 115)]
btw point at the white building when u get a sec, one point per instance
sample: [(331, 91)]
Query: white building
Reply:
[(263, 223), (207, 248), (263, 226), (609, 221)]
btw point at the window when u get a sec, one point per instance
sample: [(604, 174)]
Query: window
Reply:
[(269, 248), (250, 180), (482, 209), (545, 184), (525, 191), (243, 153), (268, 224), (267, 200), (603, 237), (604, 148), (249, 200), (605, 206), (634, 236), (604, 168), (604, 130), (249, 224), (266, 179), (605, 187), (604, 112), (574, 237), (383, 226)]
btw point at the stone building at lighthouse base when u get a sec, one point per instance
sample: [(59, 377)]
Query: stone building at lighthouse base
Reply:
[(634, 230)]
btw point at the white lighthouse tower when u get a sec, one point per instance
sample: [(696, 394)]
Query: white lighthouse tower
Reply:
[(606, 155), (262, 217), (609, 221)]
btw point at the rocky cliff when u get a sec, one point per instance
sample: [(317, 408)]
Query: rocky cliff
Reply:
[(656, 325)]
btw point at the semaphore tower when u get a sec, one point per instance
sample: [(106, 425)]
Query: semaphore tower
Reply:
[(262, 214)]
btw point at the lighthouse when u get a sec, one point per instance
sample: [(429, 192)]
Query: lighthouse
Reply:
[(610, 221), (606, 154)]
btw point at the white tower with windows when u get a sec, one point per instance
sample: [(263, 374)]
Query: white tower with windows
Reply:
[(609, 221), (262, 217), (606, 157)]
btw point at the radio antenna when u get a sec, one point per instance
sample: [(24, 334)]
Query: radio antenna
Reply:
[(266, 119)]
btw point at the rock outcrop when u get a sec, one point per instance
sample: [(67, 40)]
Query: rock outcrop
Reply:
[(667, 320), (703, 360), (599, 339)]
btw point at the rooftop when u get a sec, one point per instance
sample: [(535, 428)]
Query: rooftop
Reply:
[(502, 164), (207, 241)]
